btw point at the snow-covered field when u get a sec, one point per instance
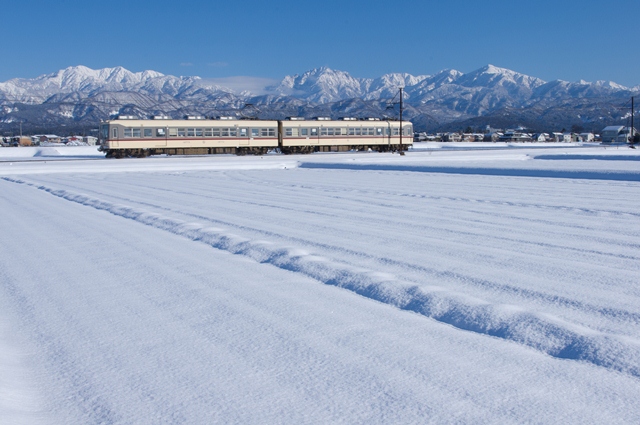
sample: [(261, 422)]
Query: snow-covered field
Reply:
[(443, 286)]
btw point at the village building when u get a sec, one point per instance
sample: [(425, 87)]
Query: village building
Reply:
[(46, 138), (451, 137), (571, 137), (515, 136), (541, 137), (588, 137), (493, 136), (73, 141), (617, 134)]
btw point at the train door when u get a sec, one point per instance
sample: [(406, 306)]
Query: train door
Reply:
[(314, 136), (161, 136), (243, 136), (115, 137)]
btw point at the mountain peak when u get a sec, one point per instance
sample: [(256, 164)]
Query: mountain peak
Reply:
[(492, 69)]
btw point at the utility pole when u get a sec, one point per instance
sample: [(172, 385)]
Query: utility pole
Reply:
[(390, 106), (632, 129), (401, 151)]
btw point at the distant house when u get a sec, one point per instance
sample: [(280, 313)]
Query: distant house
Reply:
[(541, 137), (73, 140), (492, 137), (610, 133), (515, 136), (587, 137), (451, 137), (568, 138), (468, 137), (90, 140), (23, 140), (48, 138), (557, 137)]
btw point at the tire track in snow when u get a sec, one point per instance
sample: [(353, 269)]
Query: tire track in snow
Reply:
[(433, 273), (543, 332)]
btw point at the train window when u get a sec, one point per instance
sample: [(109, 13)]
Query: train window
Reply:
[(182, 132), (255, 132), (216, 132), (224, 132), (264, 132), (352, 131), (288, 131), (379, 131), (371, 131), (148, 132), (233, 132), (136, 132), (304, 131), (128, 132), (396, 131), (160, 132), (191, 132), (115, 133), (173, 132), (357, 131), (208, 132), (198, 132), (242, 132), (314, 131)]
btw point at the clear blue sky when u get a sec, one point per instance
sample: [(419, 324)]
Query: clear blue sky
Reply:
[(569, 40)]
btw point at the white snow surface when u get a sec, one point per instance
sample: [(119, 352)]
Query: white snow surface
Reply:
[(454, 284)]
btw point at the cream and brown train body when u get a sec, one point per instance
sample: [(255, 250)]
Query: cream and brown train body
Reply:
[(127, 136)]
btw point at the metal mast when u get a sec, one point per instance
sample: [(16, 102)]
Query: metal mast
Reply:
[(632, 131), (401, 151)]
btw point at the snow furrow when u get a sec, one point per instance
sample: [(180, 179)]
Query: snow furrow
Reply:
[(631, 176), (546, 333)]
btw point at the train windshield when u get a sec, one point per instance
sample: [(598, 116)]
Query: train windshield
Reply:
[(104, 131)]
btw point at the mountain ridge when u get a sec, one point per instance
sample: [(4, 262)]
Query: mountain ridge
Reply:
[(441, 99)]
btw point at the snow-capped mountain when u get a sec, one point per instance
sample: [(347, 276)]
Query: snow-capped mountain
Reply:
[(322, 85), (84, 95), (77, 79)]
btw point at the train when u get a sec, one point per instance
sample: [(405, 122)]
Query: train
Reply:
[(128, 136)]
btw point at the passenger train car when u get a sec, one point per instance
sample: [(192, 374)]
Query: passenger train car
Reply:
[(128, 136)]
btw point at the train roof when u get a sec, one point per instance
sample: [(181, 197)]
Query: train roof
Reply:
[(200, 122), (233, 122)]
